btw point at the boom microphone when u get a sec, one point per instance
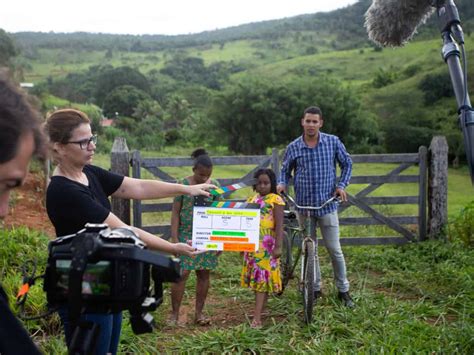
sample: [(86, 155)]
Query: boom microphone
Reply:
[(394, 22)]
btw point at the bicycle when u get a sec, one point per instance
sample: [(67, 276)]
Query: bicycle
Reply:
[(297, 242)]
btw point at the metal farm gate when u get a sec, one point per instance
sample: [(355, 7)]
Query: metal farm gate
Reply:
[(407, 228)]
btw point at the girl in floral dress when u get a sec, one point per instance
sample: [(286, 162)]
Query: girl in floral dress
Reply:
[(181, 231), (261, 270)]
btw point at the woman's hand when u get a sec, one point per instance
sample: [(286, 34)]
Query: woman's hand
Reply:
[(276, 253), (185, 249), (200, 189)]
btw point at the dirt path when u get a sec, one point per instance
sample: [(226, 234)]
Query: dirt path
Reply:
[(27, 207)]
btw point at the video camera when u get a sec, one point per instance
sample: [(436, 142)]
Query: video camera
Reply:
[(100, 270)]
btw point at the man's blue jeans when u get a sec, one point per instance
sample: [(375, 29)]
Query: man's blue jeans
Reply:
[(329, 227), (110, 327)]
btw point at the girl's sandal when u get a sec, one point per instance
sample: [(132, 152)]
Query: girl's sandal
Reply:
[(256, 325), (172, 322), (203, 321)]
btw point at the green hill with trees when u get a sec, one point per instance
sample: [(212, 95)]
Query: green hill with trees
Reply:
[(245, 87)]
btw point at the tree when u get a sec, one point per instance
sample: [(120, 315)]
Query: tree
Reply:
[(244, 116), (148, 109), (406, 137), (109, 54), (436, 86), (111, 79), (7, 48), (78, 86), (18, 66), (177, 109), (123, 99), (94, 113), (150, 133), (193, 70), (254, 115)]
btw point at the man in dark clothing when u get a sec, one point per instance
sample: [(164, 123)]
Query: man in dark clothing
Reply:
[(20, 139)]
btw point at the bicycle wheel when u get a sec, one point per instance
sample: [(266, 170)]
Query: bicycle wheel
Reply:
[(286, 259), (291, 252), (308, 281)]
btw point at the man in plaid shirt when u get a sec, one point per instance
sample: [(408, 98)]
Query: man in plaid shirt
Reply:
[(313, 157)]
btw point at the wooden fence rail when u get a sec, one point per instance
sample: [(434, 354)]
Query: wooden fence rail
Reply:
[(408, 228)]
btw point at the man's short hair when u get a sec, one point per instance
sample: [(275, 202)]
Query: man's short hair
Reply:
[(313, 110), (17, 117)]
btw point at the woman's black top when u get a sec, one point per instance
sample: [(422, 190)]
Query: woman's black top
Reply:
[(70, 204)]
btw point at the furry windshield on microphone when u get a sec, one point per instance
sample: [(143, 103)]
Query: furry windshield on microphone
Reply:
[(394, 22)]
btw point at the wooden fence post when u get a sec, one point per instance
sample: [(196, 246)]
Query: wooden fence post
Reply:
[(423, 156), (437, 186), (137, 204), (275, 165), (120, 164)]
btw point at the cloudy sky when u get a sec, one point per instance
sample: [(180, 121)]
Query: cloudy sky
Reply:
[(168, 17)]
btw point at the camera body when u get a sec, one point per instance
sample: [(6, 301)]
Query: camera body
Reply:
[(101, 270)]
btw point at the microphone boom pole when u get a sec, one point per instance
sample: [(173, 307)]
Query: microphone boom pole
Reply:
[(451, 32)]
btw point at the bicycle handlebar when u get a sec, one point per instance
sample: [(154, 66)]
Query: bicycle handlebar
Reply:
[(334, 199)]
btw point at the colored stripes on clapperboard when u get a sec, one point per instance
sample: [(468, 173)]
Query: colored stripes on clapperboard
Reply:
[(229, 188)]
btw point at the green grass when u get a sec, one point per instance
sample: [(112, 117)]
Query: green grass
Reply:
[(459, 190), (59, 62), (412, 299), (400, 307)]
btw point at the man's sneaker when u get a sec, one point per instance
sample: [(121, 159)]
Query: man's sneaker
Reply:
[(346, 299)]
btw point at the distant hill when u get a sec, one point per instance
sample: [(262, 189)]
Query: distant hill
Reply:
[(338, 29), (405, 92)]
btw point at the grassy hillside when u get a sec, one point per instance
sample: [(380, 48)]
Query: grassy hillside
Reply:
[(320, 47), (338, 29), (353, 67), (251, 44)]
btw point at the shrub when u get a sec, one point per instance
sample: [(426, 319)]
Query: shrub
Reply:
[(462, 227), (435, 87), (106, 140), (411, 70), (384, 77)]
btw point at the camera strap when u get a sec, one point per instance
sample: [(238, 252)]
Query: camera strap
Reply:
[(83, 249), (22, 296), (28, 281)]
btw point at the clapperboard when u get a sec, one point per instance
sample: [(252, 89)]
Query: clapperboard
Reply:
[(226, 225)]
